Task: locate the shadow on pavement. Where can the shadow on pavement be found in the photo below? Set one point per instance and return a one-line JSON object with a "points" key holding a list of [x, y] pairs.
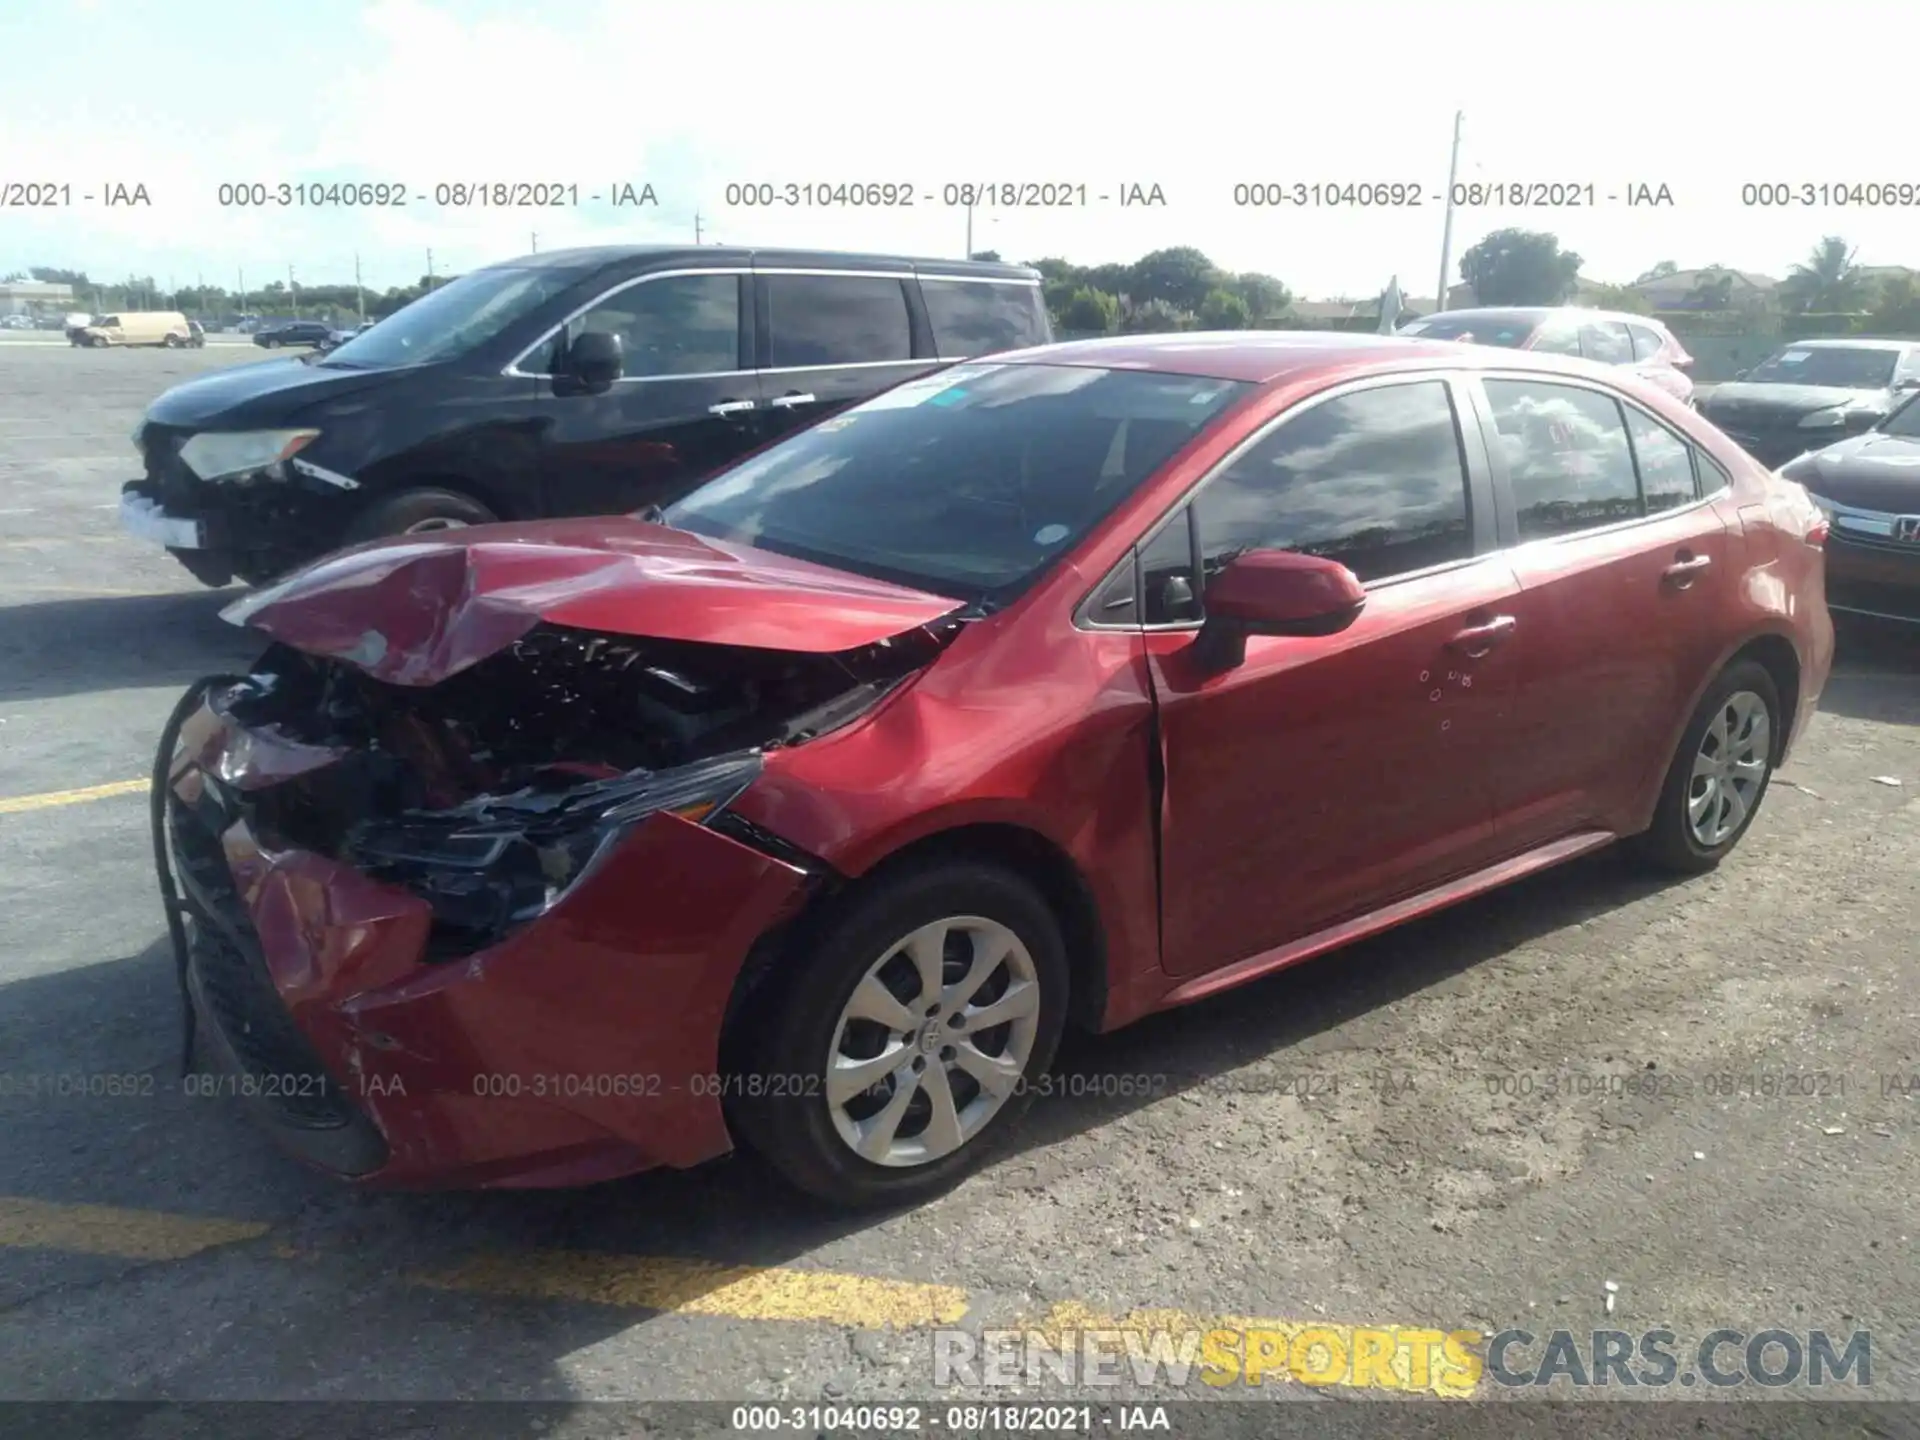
{"points": [[59, 648], [1876, 672]]}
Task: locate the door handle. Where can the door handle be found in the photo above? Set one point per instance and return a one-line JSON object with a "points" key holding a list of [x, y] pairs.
{"points": [[730, 407], [1477, 640], [1681, 572], [787, 402]]}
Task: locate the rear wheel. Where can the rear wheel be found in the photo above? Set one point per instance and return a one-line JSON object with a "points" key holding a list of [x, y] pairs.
{"points": [[417, 512], [1719, 775], [173, 342], [903, 1044]]}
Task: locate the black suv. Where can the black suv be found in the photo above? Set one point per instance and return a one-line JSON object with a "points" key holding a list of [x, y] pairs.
{"points": [[292, 332], [573, 382]]}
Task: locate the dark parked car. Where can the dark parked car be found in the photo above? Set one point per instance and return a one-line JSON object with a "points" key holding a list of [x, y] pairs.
{"points": [[1061, 687], [1869, 487], [291, 332], [1811, 393], [580, 382], [1634, 342]]}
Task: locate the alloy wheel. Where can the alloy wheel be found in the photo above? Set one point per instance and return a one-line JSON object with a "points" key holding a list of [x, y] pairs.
{"points": [[933, 1041], [1729, 768]]}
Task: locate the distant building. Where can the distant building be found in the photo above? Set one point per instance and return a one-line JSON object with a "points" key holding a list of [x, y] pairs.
{"points": [[19, 297], [1682, 290]]}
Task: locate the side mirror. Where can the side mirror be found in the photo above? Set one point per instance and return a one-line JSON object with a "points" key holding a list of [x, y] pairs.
{"points": [[1274, 592], [1910, 382], [595, 360]]}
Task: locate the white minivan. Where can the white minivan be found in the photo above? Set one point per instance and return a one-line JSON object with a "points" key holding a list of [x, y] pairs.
{"points": [[137, 327]]}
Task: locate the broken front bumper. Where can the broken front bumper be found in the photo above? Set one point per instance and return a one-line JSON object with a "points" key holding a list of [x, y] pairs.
{"points": [[583, 1046]]}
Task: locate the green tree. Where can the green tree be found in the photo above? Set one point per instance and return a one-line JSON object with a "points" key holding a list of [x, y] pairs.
{"points": [[986, 255], [1827, 282], [1180, 276], [1266, 297], [1222, 309], [1898, 307], [1154, 317], [1658, 272], [1520, 267], [1090, 310]]}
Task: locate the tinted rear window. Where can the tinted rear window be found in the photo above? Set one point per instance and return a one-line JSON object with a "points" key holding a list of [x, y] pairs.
{"points": [[838, 320], [977, 318]]}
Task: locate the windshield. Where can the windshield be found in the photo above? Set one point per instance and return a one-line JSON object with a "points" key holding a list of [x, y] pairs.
{"points": [[452, 320], [1841, 367], [1905, 421], [1509, 332], [966, 483]]}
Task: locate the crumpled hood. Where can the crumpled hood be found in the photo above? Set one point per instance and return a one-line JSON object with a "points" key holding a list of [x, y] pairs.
{"points": [[1874, 471], [414, 611]]}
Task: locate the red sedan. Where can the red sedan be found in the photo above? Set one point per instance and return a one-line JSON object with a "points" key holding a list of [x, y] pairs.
{"points": [[1057, 688]]}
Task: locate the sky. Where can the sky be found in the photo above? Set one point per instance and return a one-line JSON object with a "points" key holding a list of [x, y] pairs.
{"points": [[691, 98]]}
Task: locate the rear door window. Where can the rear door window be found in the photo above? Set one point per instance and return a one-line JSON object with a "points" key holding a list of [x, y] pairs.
{"points": [[1568, 460], [1647, 343], [820, 320], [1606, 342], [1665, 462], [973, 317]]}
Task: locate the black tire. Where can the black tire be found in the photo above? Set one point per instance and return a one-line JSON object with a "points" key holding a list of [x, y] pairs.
{"points": [[399, 514], [172, 342], [779, 1106], [1670, 844]]}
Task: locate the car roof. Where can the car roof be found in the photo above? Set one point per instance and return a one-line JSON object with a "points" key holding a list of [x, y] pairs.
{"points": [[596, 257], [1849, 342], [1261, 356], [1537, 313]]}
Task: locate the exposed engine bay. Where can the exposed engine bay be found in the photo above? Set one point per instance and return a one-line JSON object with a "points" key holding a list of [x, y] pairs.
{"points": [[491, 793]]}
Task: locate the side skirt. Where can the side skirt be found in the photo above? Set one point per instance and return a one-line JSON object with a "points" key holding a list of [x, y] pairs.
{"points": [[1345, 932]]}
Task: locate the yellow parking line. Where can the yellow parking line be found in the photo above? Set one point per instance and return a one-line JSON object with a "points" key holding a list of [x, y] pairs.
{"points": [[696, 1287], [20, 803], [105, 1230]]}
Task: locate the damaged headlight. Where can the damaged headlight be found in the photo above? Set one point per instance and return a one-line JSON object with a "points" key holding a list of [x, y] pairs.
{"points": [[220, 454], [499, 861]]}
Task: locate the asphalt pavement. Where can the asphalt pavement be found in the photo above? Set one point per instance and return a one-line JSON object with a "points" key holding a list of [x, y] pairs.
{"points": [[1592, 1100]]}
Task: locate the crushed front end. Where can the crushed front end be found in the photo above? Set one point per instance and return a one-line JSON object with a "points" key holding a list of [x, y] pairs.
{"points": [[485, 931]]}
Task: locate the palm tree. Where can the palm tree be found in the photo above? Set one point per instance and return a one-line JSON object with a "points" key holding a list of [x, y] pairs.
{"points": [[1829, 282]]}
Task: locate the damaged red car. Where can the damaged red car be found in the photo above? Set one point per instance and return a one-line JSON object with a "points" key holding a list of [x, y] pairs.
{"points": [[1053, 689]]}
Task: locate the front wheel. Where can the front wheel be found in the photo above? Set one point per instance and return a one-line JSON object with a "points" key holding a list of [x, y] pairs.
{"points": [[907, 1038], [417, 512], [1719, 775]]}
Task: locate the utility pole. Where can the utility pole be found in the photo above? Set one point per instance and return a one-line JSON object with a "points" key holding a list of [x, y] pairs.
{"points": [[969, 254], [240, 276], [359, 295], [429, 267], [696, 227], [535, 238], [293, 293], [1446, 231]]}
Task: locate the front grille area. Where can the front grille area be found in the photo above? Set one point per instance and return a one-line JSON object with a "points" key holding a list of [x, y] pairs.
{"points": [[174, 485], [233, 978]]}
